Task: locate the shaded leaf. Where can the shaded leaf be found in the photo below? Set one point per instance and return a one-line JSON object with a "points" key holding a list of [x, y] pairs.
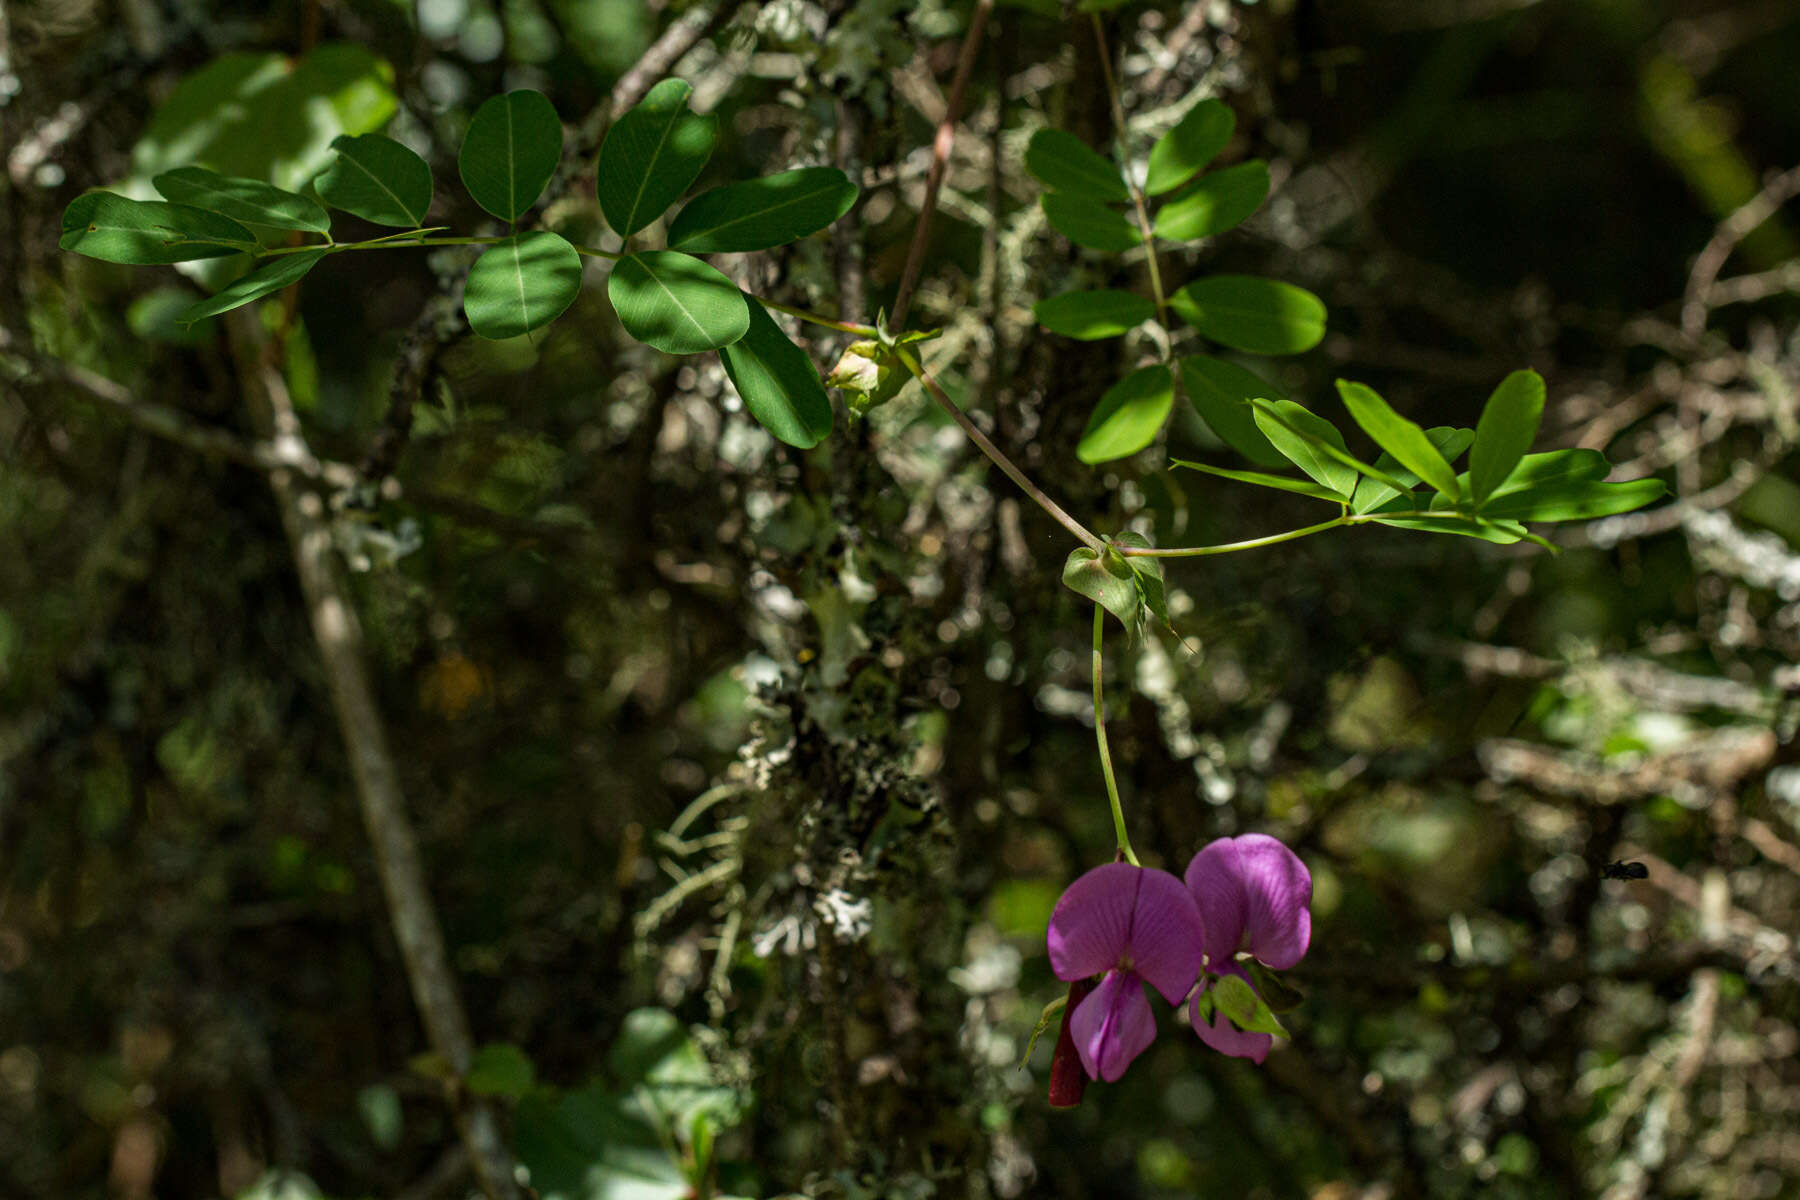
{"points": [[677, 303], [521, 284], [146, 232], [1090, 224], [249, 202], [500, 1069], [1063, 162], [651, 155], [1336, 477], [1090, 316], [1371, 493], [1303, 487], [1276, 992], [1221, 392], [511, 150], [272, 277], [1508, 426], [1184, 151], [777, 381], [665, 1075], [759, 213], [589, 1146], [377, 179], [1128, 415], [1401, 438], [1246, 312], [1107, 580], [1219, 201], [1148, 575]]}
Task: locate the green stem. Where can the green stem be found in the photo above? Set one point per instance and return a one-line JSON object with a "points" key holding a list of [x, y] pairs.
{"points": [[866, 331], [1138, 200], [1233, 547], [1106, 767]]}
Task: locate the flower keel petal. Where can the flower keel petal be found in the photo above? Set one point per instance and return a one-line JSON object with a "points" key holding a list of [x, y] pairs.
{"points": [[1113, 1026]]}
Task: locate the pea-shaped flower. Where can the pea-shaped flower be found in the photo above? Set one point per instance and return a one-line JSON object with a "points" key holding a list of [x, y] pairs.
{"points": [[1138, 926], [1253, 894]]}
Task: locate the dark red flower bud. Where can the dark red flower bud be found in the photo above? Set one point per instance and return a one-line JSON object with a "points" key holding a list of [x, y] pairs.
{"points": [[1068, 1079]]}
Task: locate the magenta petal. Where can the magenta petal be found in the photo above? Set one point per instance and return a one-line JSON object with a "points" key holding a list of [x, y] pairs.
{"points": [[1166, 935], [1113, 1026], [1253, 885], [1090, 927], [1221, 1034]]}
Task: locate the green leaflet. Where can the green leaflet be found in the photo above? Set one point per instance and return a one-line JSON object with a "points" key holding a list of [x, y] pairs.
{"points": [[146, 232], [1184, 151], [377, 179], [277, 274], [511, 150], [249, 202], [1128, 415], [1093, 315], [1508, 426], [1303, 487], [1372, 494], [1221, 392], [1089, 223], [1063, 162], [677, 303], [760, 213], [521, 284], [1246, 312], [1219, 201], [1285, 435], [651, 155], [1399, 437], [777, 381]]}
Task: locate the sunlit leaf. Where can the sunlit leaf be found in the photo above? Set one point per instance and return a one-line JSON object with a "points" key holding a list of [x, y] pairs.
{"points": [[1572, 500], [377, 179], [1399, 437], [759, 213], [1093, 315], [1371, 493], [249, 202], [677, 303], [522, 284], [1221, 392], [1088, 223], [1128, 415], [511, 150], [1239, 1002], [651, 155], [777, 381], [1219, 201], [1108, 580], [145, 232], [1064, 163], [1184, 151], [1246, 312], [1500, 532], [277, 274], [1508, 425], [1286, 436]]}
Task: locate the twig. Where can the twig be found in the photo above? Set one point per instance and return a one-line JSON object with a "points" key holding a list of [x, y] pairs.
{"points": [[338, 633], [940, 162], [1731, 231]]}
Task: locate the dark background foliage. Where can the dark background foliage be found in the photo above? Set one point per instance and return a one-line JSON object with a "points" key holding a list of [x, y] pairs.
{"points": [[617, 597]]}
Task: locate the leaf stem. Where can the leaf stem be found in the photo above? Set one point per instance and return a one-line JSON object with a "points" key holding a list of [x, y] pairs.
{"points": [[1106, 767], [866, 331], [1232, 547], [1138, 199], [988, 448]]}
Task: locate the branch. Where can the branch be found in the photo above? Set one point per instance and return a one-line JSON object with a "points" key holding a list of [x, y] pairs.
{"points": [[1732, 230]]}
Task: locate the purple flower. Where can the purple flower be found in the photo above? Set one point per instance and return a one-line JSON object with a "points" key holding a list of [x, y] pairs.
{"points": [[1137, 925], [1253, 894]]}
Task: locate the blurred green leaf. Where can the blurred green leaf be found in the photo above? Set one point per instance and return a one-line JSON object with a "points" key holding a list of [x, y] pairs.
{"points": [[1063, 162], [377, 179], [249, 202], [510, 151], [777, 381], [1089, 223], [1399, 437], [500, 1069], [1090, 316], [1184, 151], [379, 1107], [1128, 415], [1219, 201], [146, 232], [522, 284], [588, 1146], [277, 274], [676, 302], [1245, 312], [657, 1063], [1508, 426], [760, 213], [651, 155], [1276, 992], [1221, 392]]}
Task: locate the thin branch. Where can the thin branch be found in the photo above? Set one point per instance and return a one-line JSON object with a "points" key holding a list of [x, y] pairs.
{"points": [[1731, 231]]}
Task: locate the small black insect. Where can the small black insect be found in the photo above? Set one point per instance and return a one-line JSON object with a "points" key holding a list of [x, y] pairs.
{"points": [[1624, 870]]}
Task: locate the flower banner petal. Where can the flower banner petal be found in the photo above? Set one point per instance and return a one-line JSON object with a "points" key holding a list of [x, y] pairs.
{"points": [[1167, 933], [1090, 927], [1219, 895], [1256, 887], [1113, 1026]]}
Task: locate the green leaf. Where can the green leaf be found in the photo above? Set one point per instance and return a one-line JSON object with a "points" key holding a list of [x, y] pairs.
{"points": [[1108, 580], [1063, 162], [377, 179], [651, 155], [281, 272], [1098, 6], [658, 1062], [1220, 201], [1090, 316], [1286, 435], [1087, 223], [1148, 575], [1399, 437], [1371, 493], [1128, 415], [249, 202], [1503, 533], [777, 381], [1276, 992], [510, 152], [500, 1069], [1267, 412], [1553, 466], [144, 232], [1239, 1002], [521, 284], [1508, 425], [677, 303], [1245, 312], [1184, 151], [590, 1145], [759, 213], [1572, 500], [1285, 483], [1221, 392]]}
